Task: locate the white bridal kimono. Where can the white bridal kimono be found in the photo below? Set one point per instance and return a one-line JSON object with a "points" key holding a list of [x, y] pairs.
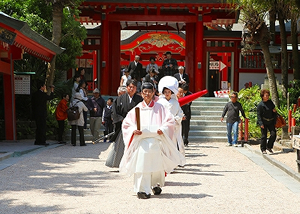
{"points": [[178, 114], [149, 155]]}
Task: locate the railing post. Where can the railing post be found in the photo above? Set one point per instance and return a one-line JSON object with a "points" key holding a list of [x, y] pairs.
{"points": [[290, 121], [246, 130]]}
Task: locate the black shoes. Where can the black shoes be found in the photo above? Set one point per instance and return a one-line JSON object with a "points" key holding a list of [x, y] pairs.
{"points": [[143, 195], [156, 190], [270, 150], [264, 152], [83, 145]]}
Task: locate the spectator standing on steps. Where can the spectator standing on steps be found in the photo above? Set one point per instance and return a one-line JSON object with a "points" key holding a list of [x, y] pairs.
{"points": [[96, 104], [152, 65], [136, 72], [232, 109], [169, 65], [266, 119], [181, 76]]}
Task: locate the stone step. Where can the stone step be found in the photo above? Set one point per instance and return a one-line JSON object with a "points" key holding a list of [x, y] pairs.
{"points": [[207, 113], [208, 103], [207, 108], [207, 139], [206, 117], [215, 128], [211, 133], [212, 99], [207, 122]]}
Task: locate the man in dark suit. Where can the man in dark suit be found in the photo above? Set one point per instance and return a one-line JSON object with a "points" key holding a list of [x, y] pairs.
{"points": [[181, 76], [169, 65], [183, 90], [39, 111], [136, 72]]}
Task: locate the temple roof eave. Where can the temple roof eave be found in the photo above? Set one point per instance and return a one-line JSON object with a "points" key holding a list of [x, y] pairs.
{"points": [[24, 34]]}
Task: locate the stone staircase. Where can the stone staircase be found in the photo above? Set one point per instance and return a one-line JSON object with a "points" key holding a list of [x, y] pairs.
{"points": [[205, 122]]}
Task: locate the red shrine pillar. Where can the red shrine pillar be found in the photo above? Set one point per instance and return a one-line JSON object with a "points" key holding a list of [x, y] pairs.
{"points": [[9, 100], [225, 70], [104, 56], [190, 54], [115, 59], [95, 73], [199, 59], [235, 85]]}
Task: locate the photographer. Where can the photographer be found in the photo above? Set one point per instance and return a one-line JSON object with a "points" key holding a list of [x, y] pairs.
{"points": [[170, 65], [39, 110]]}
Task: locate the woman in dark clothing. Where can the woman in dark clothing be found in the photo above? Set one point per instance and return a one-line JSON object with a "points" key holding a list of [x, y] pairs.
{"points": [[266, 118]]}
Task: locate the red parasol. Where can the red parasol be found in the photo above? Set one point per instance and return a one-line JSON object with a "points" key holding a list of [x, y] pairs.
{"points": [[187, 99]]}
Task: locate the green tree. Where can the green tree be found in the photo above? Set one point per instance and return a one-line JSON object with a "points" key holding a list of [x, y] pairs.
{"points": [[282, 10], [40, 17], [253, 13], [62, 11], [295, 14]]}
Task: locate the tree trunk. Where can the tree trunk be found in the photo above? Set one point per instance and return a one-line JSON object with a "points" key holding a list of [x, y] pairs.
{"points": [[270, 72], [272, 15], [296, 65], [284, 54], [57, 12]]}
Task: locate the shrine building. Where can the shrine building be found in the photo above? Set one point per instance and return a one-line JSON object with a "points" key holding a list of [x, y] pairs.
{"points": [[16, 38], [198, 33], [181, 27]]}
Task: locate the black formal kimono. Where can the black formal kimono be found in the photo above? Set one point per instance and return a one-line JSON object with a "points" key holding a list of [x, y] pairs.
{"points": [[167, 70], [185, 124], [136, 71], [39, 111], [120, 108]]}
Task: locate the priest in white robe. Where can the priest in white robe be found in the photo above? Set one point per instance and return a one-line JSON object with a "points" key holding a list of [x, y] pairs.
{"points": [[149, 152]]}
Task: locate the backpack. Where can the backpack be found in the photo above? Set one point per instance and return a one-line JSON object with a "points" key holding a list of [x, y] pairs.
{"points": [[73, 112]]}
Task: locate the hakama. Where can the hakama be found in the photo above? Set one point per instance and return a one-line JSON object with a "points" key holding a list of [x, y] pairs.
{"points": [[121, 106], [116, 153]]}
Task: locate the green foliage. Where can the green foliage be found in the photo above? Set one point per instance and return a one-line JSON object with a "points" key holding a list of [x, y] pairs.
{"points": [[250, 98], [294, 91], [38, 15]]}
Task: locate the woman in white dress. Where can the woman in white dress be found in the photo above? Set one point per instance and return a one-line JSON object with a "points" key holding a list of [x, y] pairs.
{"points": [[168, 89]]}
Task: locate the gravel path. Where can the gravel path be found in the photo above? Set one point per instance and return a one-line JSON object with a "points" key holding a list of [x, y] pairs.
{"points": [[216, 179]]}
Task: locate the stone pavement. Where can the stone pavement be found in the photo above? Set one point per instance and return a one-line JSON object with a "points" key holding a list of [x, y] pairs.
{"points": [[216, 179]]}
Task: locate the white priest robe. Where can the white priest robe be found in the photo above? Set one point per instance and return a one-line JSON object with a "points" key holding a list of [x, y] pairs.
{"points": [[149, 155], [178, 114]]}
